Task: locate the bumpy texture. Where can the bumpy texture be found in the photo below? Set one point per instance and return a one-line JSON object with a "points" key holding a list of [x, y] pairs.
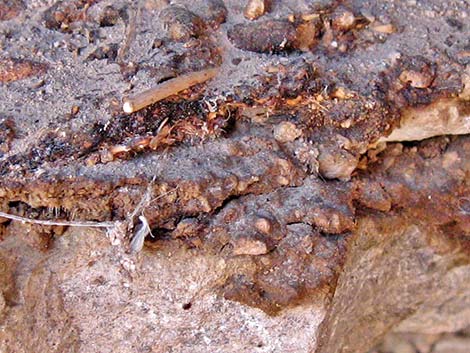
{"points": [[274, 191]]}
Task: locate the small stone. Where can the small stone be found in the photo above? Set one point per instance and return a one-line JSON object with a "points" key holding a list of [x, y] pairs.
{"points": [[213, 12], [109, 17], [417, 79], [282, 180], [286, 132], [373, 196], [268, 36], [263, 225], [106, 156], [254, 9], [186, 228], [336, 164], [329, 220], [107, 51], [258, 115], [181, 23], [384, 28], [346, 124], [308, 34], [342, 93], [307, 155], [64, 13], [92, 160], [248, 246], [13, 69], [344, 21], [310, 17], [74, 110]]}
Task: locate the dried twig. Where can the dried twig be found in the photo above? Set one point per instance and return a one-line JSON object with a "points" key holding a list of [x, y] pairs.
{"points": [[117, 230], [166, 89], [58, 223], [144, 201], [131, 33]]}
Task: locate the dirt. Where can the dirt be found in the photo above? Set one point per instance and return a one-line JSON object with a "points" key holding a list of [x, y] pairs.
{"points": [[270, 166]]}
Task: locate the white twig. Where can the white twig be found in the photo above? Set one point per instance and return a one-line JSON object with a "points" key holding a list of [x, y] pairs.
{"points": [[58, 223], [116, 230], [168, 88]]}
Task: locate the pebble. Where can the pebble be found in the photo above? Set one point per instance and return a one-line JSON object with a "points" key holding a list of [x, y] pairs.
{"points": [[336, 165], [181, 23], [249, 246], [286, 132], [263, 225], [109, 17], [254, 9], [268, 36]]}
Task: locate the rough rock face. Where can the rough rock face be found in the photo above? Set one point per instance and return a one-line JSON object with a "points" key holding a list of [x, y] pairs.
{"points": [[421, 270], [428, 343], [311, 197]]}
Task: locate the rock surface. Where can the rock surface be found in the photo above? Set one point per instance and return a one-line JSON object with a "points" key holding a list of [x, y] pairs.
{"points": [[421, 343], [291, 202]]}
